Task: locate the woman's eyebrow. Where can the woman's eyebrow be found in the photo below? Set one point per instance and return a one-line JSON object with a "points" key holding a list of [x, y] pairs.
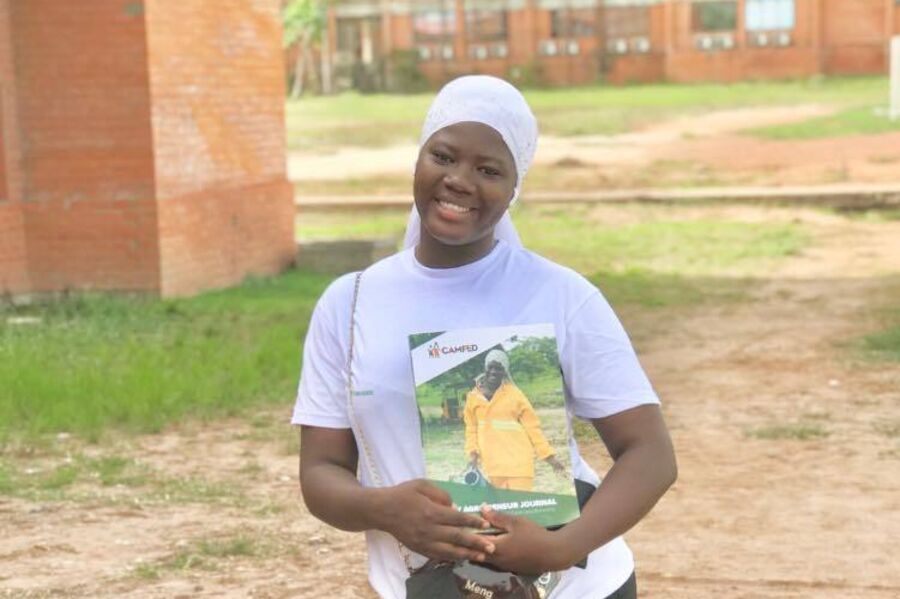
{"points": [[485, 158], [449, 147]]}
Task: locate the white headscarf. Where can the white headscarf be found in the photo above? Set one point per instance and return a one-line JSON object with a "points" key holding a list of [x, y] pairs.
{"points": [[497, 104], [495, 355]]}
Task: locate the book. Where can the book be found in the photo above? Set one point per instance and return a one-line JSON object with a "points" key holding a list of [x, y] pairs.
{"points": [[493, 420]]}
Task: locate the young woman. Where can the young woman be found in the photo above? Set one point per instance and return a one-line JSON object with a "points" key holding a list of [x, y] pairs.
{"points": [[464, 267]]}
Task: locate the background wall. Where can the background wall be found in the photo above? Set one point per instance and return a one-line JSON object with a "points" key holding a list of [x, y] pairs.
{"points": [[143, 145]]}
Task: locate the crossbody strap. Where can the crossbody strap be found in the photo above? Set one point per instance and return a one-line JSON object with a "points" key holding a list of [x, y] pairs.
{"points": [[368, 457]]}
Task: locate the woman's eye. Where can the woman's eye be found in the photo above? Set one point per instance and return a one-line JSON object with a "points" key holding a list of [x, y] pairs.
{"points": [[491, 172], [441, 157]]}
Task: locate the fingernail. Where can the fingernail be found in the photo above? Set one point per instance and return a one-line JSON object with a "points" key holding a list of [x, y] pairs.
{"points": [[490, 549], [480, 557]]}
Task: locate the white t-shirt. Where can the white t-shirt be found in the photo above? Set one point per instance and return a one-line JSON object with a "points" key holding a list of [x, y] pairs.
{"points": [[399, 296]]}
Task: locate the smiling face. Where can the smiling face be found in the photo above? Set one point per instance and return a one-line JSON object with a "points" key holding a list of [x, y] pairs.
{"points": [[493, 376], [464, 182]]}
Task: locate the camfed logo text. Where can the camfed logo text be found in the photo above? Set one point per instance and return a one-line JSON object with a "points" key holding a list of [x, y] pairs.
{"points": [[436, 350]]}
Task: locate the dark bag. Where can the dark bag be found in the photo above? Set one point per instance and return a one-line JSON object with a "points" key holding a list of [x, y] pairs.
{"points": [[469, 580]]}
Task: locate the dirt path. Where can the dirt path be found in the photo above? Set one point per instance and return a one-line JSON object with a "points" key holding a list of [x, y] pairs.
{"points": [[788, 447], [695, 150]]}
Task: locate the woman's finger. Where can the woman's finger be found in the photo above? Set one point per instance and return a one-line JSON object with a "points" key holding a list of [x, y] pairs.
{"points": [[452, 517], [446, 551], [434, 493], [459, 537], [498, 519]]}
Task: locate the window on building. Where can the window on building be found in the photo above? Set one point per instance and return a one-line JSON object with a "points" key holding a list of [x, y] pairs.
{"points": [[713, 15], [434, 21], [626, 21], [769, 15], [486, 25], [573, 22], [348, 36]]}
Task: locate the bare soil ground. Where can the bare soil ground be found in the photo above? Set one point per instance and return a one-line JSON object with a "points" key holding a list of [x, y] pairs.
{"points": [[706, 149], [788, 444]]}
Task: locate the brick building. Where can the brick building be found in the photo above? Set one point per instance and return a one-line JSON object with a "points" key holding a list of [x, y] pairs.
{"points": [[141, 145], [580, 41]]}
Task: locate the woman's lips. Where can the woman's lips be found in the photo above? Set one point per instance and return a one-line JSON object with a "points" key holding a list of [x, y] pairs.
{"points": [[454, 211]]}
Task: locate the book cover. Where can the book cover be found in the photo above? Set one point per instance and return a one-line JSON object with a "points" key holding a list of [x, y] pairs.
{"points": [[493, 419]]}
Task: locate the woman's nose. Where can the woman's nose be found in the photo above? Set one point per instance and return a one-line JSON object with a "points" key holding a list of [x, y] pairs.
{"points": [[458, 182]]}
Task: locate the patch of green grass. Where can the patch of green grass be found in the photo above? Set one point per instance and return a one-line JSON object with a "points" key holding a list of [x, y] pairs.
{"points": [[864, 120], [660, 245], [61, 477], [239, 546], [147, 571], [40, 481], [204, 554], [799, 431], [346, 224], [317, 123], [196, 490], [7, 479], [655, 262], [655, 290], [116, 470], [877, 216], [252, 470], [884, 344], [138, 364], [629, 255], [369, 186]]}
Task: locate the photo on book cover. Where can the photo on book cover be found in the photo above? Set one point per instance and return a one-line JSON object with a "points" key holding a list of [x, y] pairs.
{"points": [[493, 417]]}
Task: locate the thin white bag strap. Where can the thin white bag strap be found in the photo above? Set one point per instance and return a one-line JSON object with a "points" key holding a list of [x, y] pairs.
{"points": [[367, 456]]}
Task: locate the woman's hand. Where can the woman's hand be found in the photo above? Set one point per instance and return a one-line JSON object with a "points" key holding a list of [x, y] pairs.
{"points": [[525, 547], [422, 517]]}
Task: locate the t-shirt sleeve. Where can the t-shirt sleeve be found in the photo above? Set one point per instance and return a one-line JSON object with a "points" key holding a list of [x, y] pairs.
{"points": [[601, 371], [322, 393]]}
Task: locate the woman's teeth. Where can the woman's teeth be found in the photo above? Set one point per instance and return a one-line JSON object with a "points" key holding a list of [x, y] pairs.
{"points": [[453, 207]]}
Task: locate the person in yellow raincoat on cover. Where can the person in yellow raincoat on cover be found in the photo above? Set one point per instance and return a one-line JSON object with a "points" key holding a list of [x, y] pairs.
{"points": [[503, 432]]}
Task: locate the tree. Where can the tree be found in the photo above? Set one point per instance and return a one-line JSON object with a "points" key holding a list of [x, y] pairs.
{"points": [[305, 24]]}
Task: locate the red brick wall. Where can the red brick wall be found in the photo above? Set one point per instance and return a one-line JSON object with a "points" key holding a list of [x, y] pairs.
{"points": [[522, 35], [218, 236], [649, 67], [853, 36], [84, 121], [13, 266], [225, 207], [400, 31], [13, 256], [637, 68]]}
